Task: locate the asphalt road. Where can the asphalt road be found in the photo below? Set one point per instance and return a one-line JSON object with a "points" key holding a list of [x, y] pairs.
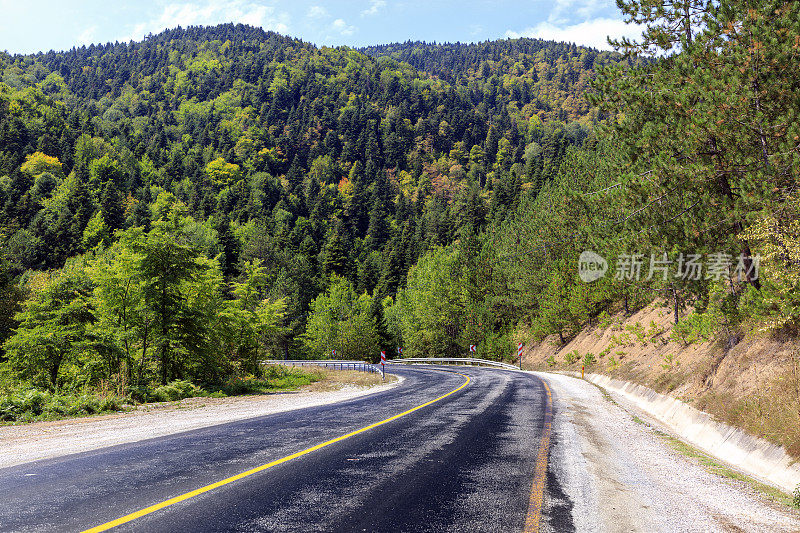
{"points": [[463, 463]]}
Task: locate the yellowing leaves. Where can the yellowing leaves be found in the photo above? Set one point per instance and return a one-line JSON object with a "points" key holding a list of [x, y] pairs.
{"points": [[223, 173], [38, 163]]}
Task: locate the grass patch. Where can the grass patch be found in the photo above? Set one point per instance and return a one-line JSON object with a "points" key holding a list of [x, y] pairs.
{"points": [[772, 413], [604, 392], [276, 378]]}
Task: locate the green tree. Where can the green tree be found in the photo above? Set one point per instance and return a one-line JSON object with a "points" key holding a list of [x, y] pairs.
{"points": [[52, 330], [343, 321], [166, 264], [429, 311], [250, 324]]}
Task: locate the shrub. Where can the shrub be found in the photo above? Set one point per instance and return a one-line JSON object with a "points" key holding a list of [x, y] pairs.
{"points": [[623, 340], [86, 403], [34, 401], [551, 361], [186, 389], [670, 361], [696, 327], [139, 394], [571, 357], [8, 410], [111, 403], [588, 359], [31, 404], [58, 406], [176, 390], [604, 320], [654, 330], [638, 331]]}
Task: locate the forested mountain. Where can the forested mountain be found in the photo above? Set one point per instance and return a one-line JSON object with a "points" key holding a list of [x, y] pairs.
{"points": [[535, 76], [185, 206], [237, 172]]}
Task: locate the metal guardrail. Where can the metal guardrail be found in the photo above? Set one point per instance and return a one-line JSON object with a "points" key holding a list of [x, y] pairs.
{"points": [[454, 360], [334, 364]]}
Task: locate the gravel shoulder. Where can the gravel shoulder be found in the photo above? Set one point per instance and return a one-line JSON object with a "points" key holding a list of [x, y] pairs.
{"points": [[609, 473], [45, 440]]}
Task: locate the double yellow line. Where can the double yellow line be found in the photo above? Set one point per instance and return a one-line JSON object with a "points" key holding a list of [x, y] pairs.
{"points": [[183, 497]]}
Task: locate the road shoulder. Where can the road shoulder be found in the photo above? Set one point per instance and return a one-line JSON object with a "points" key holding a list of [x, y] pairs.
{"points": [[614, 473], [46, 440]]}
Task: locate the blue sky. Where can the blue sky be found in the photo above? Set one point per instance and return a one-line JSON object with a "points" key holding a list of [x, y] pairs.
{"points": [[42, 25]]}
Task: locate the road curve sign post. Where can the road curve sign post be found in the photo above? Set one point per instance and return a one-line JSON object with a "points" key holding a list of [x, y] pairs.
{"points": [[383, 363]]}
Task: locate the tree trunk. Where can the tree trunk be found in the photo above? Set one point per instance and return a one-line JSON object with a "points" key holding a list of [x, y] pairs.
{"points": [[677, 305], [163, 364], [145, 346], [54, 371], [727, 190], [687, 23]]}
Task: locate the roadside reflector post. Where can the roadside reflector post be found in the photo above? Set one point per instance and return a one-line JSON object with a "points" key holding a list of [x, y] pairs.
{"points": [[383, 365], [519, 354], [583, 368]]}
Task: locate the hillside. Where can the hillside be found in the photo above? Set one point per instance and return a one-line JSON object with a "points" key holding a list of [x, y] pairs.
{"points": [[280, 169], [754, 385]]}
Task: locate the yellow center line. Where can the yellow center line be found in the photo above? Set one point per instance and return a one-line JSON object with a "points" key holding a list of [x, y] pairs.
{"points": [[183, 497], [534, 518]]}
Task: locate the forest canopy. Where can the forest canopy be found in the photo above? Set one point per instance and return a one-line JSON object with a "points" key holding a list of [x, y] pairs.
{"points": [[186, 206]]}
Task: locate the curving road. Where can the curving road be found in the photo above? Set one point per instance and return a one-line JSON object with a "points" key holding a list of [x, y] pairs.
{"points": [[465, 462]]}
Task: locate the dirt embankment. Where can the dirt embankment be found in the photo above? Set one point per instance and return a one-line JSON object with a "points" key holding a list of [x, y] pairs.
{"points": [[753, 385]]}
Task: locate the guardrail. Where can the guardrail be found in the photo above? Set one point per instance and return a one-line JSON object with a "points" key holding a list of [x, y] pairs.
{"points": [[326, 363], [454, 360]]}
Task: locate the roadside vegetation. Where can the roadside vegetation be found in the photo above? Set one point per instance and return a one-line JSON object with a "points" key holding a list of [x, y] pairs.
{"points": [[29, 404]]}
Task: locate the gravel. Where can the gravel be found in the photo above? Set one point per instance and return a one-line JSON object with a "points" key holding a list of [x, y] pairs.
{"points": [[614, 474], [45, 440]]}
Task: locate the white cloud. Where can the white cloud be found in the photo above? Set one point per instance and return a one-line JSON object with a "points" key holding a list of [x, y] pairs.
{"points": [[212, 12], [87, 36], [566, 11], [374, 7], [340, 26], [317, 12], [589, 33]]}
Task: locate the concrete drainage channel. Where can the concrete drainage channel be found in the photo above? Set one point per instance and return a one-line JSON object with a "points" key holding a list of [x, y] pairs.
{"points": [[754, 456]]}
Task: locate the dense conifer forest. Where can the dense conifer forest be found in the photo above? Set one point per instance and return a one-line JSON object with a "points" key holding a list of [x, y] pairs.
{"points": [[185, 206]]}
